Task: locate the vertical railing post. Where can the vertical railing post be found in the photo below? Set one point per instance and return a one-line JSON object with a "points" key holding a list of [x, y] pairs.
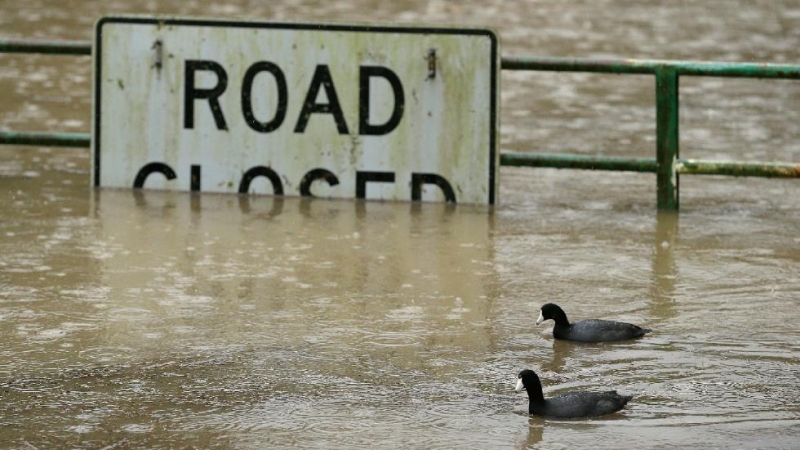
{"points": [[668, 193]]}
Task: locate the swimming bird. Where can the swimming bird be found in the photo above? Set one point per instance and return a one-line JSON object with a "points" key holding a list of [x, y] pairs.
{"points": [[569, 405], [589, 330]]}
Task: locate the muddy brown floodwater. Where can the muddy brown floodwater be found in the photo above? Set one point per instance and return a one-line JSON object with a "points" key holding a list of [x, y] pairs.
{"points": [[171, 320]]}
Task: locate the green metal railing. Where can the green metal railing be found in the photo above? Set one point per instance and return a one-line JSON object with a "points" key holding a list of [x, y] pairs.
{"points": [[667, 164], [82, 48], [45, 139]]}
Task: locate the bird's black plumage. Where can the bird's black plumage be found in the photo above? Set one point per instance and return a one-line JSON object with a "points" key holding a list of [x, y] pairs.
{"points": [[589, 330], [570, 404]]}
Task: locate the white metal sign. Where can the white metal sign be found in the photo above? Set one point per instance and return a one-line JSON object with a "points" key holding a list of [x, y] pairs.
{"points": [[350, 111]]}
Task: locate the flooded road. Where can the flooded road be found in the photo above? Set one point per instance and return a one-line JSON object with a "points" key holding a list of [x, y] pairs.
{"points": [[171, 320]]}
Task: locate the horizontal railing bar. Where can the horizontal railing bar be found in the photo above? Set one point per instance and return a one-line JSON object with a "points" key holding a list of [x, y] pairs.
{"points": [[45, 47], [651, 66], [507, 158], [45, 139], [562, 161], [683, 166], [745, 70], [546, 63], [558, 64], [738, 169]]}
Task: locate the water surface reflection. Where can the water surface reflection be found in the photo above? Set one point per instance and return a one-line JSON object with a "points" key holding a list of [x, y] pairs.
{"points": [[177, 320]]}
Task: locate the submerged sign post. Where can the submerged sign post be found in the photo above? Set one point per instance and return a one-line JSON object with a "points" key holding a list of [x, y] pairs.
{"points": [[346, 111]]}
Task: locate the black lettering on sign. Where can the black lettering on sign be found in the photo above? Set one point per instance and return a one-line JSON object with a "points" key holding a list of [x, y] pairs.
{"points": [[322, 77], [313, 175], [192, 93], [247, 91], [149, 168], [418, 179], [194, 184], [261, 171], [364, 127], [362, 178]]}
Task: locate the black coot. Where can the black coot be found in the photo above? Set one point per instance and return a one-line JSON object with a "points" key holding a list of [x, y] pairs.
{"points": [[571, 404], [589, 330]]}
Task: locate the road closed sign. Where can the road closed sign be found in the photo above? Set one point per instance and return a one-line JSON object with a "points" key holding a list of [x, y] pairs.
{"points": [[326, 110]]}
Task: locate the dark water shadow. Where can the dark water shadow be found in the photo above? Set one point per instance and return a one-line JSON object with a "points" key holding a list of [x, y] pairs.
{"points": [[562, 352], [535, 433], [276, 204], [665, 272], [556, 427]]}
